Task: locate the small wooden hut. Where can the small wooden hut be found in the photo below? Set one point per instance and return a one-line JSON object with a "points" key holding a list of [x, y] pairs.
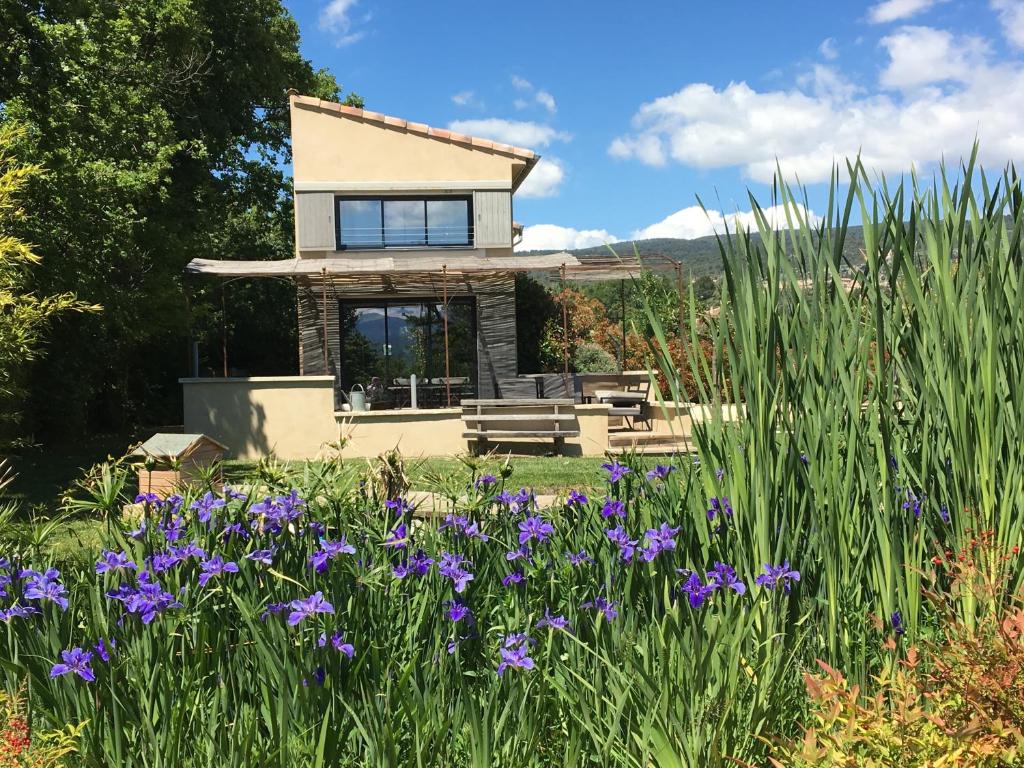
{"points": [[168, 462]]}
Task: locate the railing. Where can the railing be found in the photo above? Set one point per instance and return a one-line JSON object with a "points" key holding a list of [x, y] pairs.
{"points": [[406, 237]]}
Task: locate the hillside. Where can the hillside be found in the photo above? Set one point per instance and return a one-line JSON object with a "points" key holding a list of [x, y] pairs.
{"points": [[701, 256]]}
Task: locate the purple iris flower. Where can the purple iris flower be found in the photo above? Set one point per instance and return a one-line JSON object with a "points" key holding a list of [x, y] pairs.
{"points": [[626, 545], [804, 460], [190, 550], [607, 608], [516, 577], [265, 556], [719, 474], [660, 472], [944, 514], [776, 575], [535, 527], [45, 586], [233, 528], [173, 529], [462, 525], [312, 605], [147, 600], [516, 502], [473, 531], [205, 506], [399, 506], [518, 553], [398, 538], [616, 471], [575, 499], [719, 506], [5, 581], [147, 498], [514, 653], [457, 610], [419, 564], [74, 660], [337, 641], [613, 508], [555, 622], [578, 558], [114, 561], [659, 540], [697, 592], [451, 567], [484, 482], [231, 493], [328, 551], [17, 611], [273, 609], [215, 566], [914, 504], [724, 577], [105, 649], [897, 623]]}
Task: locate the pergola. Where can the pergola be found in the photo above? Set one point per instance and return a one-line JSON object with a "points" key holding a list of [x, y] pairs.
{"points": [[424, 270]]}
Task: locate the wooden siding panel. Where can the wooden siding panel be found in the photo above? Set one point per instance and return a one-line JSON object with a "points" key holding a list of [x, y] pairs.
{"points": [[492, 214], [314, 212]]}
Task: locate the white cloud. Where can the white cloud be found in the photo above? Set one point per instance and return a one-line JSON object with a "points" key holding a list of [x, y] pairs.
{"points": [[551, 237], [1011, 19], [894, 10], [922, 55], [947, 92], [546, 100], [336, 17], [828, 49], [521, 83], [544, 180], [520, 103], [694, 221], [519, 133], [462, 98]]}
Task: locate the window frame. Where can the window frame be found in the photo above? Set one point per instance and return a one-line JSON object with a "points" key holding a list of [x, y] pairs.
{"points": [[381, 199]]}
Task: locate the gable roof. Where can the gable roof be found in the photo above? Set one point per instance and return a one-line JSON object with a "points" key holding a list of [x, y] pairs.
{"points": [[527, 156], [173, 445]]}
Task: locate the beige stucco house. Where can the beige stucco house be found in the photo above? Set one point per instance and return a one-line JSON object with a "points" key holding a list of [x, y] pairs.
{"points": [[405, 272]]}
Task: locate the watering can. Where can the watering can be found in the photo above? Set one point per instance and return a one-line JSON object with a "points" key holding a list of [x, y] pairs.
{"points": [[358, 398]]}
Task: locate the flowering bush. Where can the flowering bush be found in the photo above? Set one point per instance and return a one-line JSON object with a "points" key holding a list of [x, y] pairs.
{"points": [[21, 748]]}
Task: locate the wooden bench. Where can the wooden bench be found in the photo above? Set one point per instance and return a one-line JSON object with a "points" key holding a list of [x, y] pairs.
{"points": [[517, 418]]}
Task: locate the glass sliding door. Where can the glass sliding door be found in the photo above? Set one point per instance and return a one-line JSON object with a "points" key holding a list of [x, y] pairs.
{"points": [[383, 343]]}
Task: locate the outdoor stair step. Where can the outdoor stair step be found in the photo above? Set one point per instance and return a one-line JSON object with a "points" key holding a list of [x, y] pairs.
{"points": [[616, 439]]}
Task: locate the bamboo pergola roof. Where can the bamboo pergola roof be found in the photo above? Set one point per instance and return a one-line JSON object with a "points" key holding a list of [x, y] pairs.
{"points": [[359, 268]]}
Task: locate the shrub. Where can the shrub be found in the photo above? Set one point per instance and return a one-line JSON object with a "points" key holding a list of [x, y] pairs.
{"points": [[20, 748], [590, 358]]}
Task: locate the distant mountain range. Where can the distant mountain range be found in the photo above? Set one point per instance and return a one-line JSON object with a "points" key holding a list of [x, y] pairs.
{"points": [[700, 256]]}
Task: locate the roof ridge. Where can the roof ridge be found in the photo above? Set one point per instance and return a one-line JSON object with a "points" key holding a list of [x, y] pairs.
{"points": [[423, 129]]}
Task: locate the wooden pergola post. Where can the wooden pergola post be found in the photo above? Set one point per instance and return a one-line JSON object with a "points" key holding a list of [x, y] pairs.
{"points": [[622, 305], [565, 327], [323, 314], [224, 328], [447, 362]]}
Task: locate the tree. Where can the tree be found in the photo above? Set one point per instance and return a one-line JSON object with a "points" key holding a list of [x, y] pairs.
{"points": [[24, 316], [163, 125]]}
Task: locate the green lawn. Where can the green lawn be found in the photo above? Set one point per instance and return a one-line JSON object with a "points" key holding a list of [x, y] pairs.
{"points": [[43, 476]]}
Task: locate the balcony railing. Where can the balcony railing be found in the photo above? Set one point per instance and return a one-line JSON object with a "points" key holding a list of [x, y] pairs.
{"points": [[406, 237]]}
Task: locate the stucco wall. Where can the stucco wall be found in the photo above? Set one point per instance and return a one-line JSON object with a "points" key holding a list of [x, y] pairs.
{"points": [[291, 416], [294, 417], [322, 143], [439, 433]]}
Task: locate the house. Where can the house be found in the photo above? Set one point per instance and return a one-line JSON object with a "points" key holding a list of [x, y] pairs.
{"points": [[405, 272]]}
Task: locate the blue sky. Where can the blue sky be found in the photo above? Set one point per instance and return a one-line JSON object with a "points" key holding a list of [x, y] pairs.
{"points": [[640, 108]]}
